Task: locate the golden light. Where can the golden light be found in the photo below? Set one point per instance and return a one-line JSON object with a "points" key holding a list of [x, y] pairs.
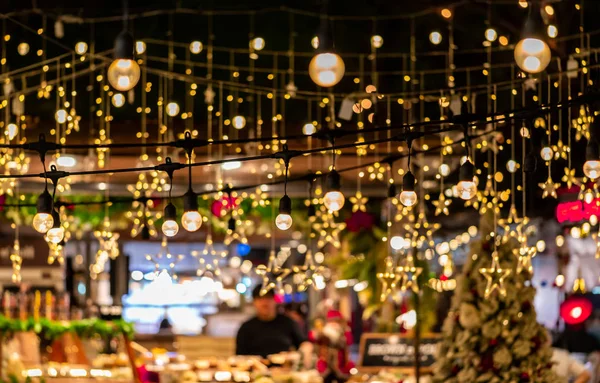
{"points": [[309, 129], [491, 35], [376, 41], [118, 100], [61, 116], [140, 47], [172, 109], [23, 48], [532, 55], [444, 170], [552, 31], [523, 3], [257, 43], [196, 47], [123, 74], [81, 48], [503, 40], [315, 42], [326, 69], [446, 13], [549, 10], [238, 122], [435, 37]]}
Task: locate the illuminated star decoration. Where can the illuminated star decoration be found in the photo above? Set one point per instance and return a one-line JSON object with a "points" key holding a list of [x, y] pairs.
{"points": [[441, 205], [409, 274], [524, 255], [209, 258], [56, 253], [561, 150], [164, 258], [549, 187], [512, 225], [209, 95], [389, 280], [236, 234], [569, 178], [359, 202], [310, 273], [329, 231], [272, 275], [495, 276], [422, 230]]}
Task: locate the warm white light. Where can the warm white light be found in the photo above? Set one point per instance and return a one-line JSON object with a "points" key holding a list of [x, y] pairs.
{"points": [[576, 312], [257, 43], [560, 280], [444, 170], [55, 234], [523, 3], [326, 69], [42, 222], [123, 74], [231, 165], [81, 48], [334, 200], [466, 189], [309, 129], [170, 228], [61, 116], [512, 166], [11, 130], [491, 35], [408, 198], [23, 49], [172, 109], [540, 246], [137, 275], [118, 100], [435, 37], [238, 122], [102, 186], [66, 161], [397, 242], [591, 169], [315, 42], [532, 55], [546, 153], [196, 47], [376, 41], [552, 31], [140, 47], [283, 221], [191, 220], [549, 10]]}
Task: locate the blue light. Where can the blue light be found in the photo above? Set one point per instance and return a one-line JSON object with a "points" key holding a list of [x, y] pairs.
{"points": [[81, 288], [243, 249], [241, 288]]}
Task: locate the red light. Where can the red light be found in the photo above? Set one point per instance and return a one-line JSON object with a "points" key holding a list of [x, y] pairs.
{"points": [[575, 310], [576, 211]]}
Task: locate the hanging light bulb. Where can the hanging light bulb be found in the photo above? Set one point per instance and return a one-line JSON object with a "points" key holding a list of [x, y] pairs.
{"points": [[238, 122], [408, 197], [170, 228], [376, 41], [532, 53], [118, 100], [466, 186], [191, 219], [491, 35], [172, 109], [43, 220], [326, 68], [23, 48], [81, 48], [140, 47], [334, 198], [283, 221], [61, 116], [546, 153], [124, 72], [552, 31], [435, 37], [591, 167], [57, 233], [257, 43], [196, 47]]}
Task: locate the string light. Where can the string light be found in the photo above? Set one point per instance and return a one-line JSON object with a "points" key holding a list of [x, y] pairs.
{"points": [[408, 197], [326, 68], [238, 122], [57, 233], [435, 37], [491, 35], [532, 53], [81, 48], [334, 198], [284, 221], [191, 219], [172, 109], [23, 48], [552, 31], [376, 41], [140, 47], [118, 100], [196, 47], [124, 72], [309, 129], [43, 220], [257, 43], [170, 228]]}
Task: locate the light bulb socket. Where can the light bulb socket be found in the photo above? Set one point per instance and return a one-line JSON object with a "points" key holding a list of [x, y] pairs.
{"points": [[466, 171], [285, 205], [534, 25], [334, 182], [530, 164], [325, 37], [44, 202], [311, 211], [170, 212], [408, 181], [190, 201], [56, 218], [592, 152], [392, 191], [124, 46], [145, 232], [231, 224]]}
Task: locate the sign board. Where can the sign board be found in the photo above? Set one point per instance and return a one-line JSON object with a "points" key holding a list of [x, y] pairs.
{"points": [[396, 351]]}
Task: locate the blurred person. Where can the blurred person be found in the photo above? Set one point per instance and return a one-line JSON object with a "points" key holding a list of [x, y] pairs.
{"points": [[268, 332]]}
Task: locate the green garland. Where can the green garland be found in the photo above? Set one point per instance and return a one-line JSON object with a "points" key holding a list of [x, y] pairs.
{"points": [[86, 328]]}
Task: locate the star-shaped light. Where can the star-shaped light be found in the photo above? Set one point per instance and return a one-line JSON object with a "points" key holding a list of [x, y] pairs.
{"points": [[549, 187], [164, 260], [359, 202], [495, 276], [441, 205], [209, 258], [530, 83], [310, 272], [272, 275], [561, 150], [389, 279], [569, 178], [512, 225], [524, 255], [409, 274], [329, 231], [209, 95], [422, 231]]}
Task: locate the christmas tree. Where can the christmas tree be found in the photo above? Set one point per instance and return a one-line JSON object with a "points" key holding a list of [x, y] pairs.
{"points": [[491, 333]]}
